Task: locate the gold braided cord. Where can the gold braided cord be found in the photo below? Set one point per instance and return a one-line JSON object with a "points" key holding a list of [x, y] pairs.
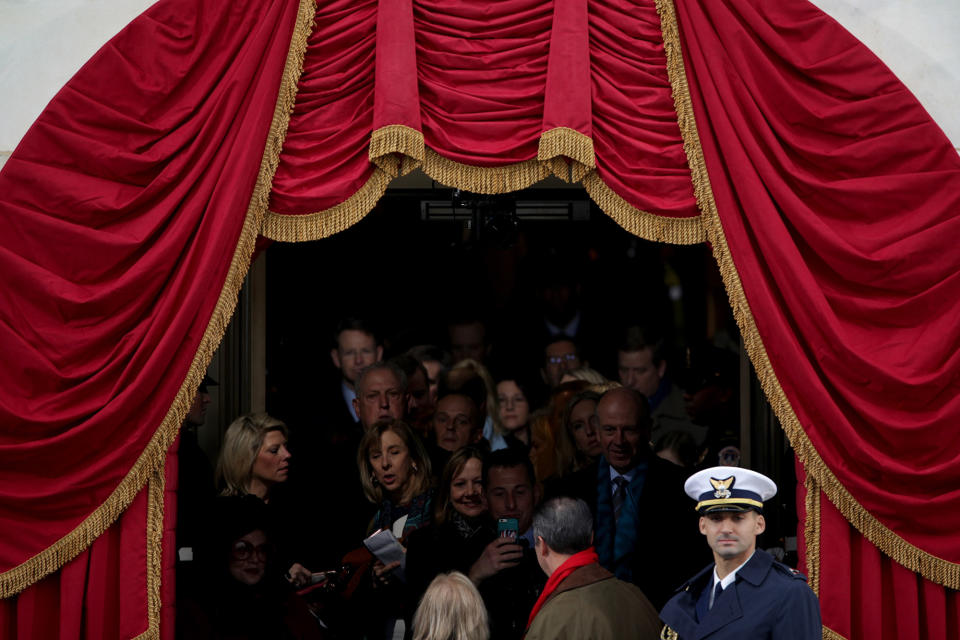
{"points": [[811, 533], [562, 142], [830, 634], [913, 558], [153, 456], [493, 180], [155, 498], [640, 223], [396, 149], [323, 224]]}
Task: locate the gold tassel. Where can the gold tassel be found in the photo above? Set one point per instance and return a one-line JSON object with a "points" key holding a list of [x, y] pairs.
{"points": [[396, 149], [561, 142], [153, 456], [640, 223], [323, 224], [931, 567]]}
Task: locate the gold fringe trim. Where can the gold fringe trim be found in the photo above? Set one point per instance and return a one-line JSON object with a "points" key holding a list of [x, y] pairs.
{"points": [[640, 223], [830, 634], [153, 456], [562, 142], [913, 558], [323, 224], [155, 497], [396, 149], [811, 533], [493, 180]]}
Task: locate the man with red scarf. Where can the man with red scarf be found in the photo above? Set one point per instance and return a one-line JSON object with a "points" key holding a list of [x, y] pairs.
{"points": [[581, 598]]}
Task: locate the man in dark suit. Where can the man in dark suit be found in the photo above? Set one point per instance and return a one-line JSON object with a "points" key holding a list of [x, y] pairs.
{"points": [[745, 593], [643, 533], [324, 440], [354, 349], [507, 574]]}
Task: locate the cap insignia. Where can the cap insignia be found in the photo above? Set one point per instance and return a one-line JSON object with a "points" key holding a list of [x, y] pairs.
{"points": [[723, 487]]}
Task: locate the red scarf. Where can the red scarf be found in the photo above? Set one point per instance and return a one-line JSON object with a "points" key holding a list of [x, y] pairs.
{"points": [[577, 560]]}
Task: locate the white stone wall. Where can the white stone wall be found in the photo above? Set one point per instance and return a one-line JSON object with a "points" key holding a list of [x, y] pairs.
{"points": [[44, 42]]}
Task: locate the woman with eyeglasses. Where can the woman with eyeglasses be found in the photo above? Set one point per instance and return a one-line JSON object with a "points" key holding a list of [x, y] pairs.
{"points": [[240, 593], [254, 460], [515, 406]]}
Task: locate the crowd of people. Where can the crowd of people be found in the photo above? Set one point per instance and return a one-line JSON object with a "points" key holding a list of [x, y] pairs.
{"points": [[499, 482]]}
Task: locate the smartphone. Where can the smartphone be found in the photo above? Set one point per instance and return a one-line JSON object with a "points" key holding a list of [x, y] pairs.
{"points": [[508, 528]]}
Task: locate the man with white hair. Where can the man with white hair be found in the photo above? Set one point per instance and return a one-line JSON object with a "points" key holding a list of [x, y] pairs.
{"points": [[581, 598]]}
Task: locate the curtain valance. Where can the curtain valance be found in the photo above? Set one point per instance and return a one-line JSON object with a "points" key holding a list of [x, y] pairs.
{"points": [[485, 97]]}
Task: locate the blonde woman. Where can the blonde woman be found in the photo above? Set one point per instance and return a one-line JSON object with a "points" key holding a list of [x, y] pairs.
{"points": [[493, 429], [586, 374], [451, 609], [395, 473], [254, 457], [254, 460]]}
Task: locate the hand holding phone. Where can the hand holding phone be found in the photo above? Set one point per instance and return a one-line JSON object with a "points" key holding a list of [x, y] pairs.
{"points": [[508, 528], [502, 553]]}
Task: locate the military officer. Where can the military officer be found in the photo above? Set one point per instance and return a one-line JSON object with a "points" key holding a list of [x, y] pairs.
{"points": [[745, 593]]}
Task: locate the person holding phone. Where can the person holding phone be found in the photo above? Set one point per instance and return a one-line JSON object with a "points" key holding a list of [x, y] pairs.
{"points": [[507, 573]]}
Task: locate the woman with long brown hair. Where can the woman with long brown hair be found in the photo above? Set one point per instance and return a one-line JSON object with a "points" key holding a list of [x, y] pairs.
{"points": [[461, 526]]}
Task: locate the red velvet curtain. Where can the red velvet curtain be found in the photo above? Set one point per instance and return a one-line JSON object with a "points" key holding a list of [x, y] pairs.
{"points": [[838, 200], [485, 97], [128, 215], [104, 592], [863, 593]]}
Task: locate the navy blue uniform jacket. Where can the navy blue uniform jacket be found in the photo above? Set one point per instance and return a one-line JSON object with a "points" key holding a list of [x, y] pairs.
{"points": [[767, 600]]}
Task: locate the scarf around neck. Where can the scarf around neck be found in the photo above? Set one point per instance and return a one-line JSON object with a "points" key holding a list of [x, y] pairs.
{"points": [[574, 562]]}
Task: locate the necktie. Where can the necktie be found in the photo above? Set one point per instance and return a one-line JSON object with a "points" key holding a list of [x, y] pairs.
{"points": [[716, 594], [619, 496]]}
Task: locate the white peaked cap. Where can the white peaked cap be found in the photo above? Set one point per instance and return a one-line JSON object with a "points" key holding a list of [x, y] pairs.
{"points": [[729, 489]]}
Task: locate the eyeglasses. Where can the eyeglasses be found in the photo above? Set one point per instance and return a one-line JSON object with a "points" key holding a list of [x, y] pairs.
{"points": [[567, 357], [242, 550]]}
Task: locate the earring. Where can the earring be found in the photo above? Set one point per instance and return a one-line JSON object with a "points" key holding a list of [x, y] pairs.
{"points": [[415, 466]]}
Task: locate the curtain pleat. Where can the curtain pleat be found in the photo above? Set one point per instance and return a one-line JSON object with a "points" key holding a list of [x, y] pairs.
{"points": [[835, 212], [864, 594], [128, 215]]}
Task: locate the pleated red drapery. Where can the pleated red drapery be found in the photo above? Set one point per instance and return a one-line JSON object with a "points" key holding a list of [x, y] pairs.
{"points": [[490, 98], [828, 195], [128, 216], [838, 199], [105, 591]]}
